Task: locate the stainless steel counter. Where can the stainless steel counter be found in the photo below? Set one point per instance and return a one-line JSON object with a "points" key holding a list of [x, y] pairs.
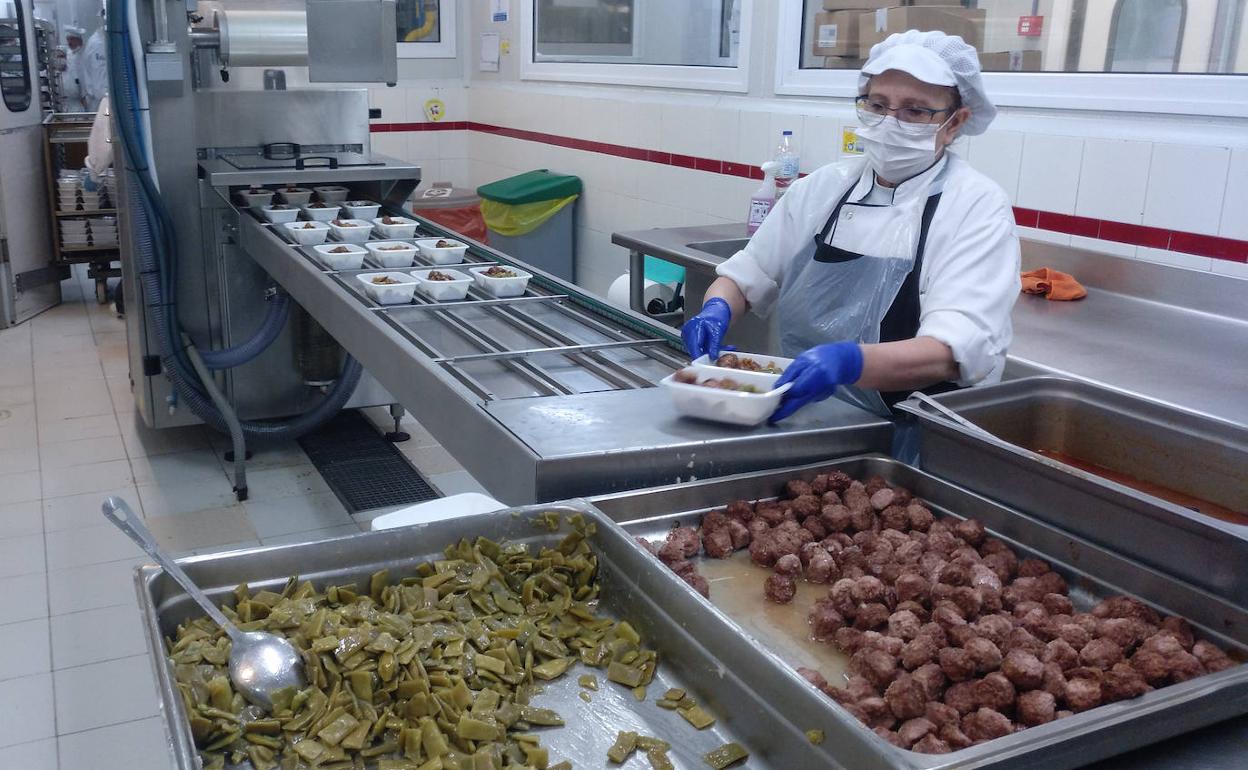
{"points": [[1177, 336]]}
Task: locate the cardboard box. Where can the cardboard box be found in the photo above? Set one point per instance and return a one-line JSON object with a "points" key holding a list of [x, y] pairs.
{"points": [[966, 23], [1010, 61], [843, 63], [925, 3], [836, 34], [858, 5]]}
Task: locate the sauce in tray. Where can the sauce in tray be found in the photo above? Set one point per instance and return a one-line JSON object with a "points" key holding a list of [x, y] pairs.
{"points": [[737, 591], [1165, 493]]}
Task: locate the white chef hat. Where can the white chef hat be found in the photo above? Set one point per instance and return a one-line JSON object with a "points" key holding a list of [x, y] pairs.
{"points": [[939, 59]]}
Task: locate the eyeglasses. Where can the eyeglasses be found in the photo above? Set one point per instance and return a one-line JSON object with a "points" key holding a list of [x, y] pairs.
{"points": [[872, 113]]}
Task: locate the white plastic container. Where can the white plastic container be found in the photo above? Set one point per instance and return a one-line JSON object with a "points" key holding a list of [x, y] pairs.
{"points": [[389, 293], [320, 212], [351, 230], [307, 233], [332, 193], [295, 196], [402, 227], [361, 209], [758, 358], [280, 213], [726, 406], [501, 287], [386, 254], [763, 199], [446, 255], [256, 197], [443, 291], [332, 256]]}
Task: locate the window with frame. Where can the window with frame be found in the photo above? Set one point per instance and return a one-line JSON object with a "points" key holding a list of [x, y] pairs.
{"points": [[425, 29], [699, 33], [1120, 36]]}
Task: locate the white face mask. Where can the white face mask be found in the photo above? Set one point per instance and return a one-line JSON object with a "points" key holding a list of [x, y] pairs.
{"points": [[897, 153]]}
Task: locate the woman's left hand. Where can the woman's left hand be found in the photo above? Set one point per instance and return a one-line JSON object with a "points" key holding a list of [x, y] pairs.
{"points": [[816, 374]]}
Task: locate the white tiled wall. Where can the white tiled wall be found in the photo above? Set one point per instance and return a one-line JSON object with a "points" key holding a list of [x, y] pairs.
{"points": [[1068, 167]]}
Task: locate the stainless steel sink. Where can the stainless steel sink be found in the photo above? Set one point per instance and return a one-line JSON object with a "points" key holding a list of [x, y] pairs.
{"points": [[724, 249]]}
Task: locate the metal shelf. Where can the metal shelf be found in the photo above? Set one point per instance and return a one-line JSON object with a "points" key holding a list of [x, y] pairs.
{"points": [[85, 213]]}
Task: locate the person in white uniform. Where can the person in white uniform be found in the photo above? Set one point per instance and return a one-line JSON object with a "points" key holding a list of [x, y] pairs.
{"points": [[894, 272], [94, 77], [71, 79]]}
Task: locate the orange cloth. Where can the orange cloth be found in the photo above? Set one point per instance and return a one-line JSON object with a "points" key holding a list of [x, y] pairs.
{"points": [[1053, 284]]}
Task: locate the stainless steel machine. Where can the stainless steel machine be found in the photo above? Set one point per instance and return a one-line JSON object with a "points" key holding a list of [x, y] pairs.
{"points": [[542, 396]]}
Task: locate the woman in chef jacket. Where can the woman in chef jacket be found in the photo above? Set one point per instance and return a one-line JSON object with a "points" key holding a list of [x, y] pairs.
{"points": [[891, 273]]}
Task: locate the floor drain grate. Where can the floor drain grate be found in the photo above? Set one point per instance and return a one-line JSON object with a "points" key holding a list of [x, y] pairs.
{"points": [[362, 468]]}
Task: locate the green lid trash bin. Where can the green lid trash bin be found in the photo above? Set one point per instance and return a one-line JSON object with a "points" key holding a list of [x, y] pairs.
{"points": [[530, 217]]}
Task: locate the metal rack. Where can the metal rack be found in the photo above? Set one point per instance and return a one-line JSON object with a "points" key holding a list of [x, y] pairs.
{"points": [[51, 90], [65, 136], [544, 396]]}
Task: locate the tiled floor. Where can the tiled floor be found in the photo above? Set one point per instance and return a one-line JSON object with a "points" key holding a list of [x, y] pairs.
{"points": [[76, 684]]}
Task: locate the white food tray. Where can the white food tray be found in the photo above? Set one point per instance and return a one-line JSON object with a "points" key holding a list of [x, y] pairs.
{"points": [[389, 293], [307, 236], [726, 406], [351, 230], [444, 291], [403, 227], [501, 287], [386, 256], [758, 358], [352, 259], [448, 255]]}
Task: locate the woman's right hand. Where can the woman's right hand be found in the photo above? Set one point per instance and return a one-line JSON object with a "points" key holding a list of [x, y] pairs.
{"points": [[704, 332]]}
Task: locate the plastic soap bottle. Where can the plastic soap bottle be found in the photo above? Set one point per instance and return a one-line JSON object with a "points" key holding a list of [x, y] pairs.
{"points": [[786, 156], [763, 198]]}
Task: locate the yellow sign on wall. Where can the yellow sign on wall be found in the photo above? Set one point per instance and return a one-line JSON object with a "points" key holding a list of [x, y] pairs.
{"points": [[849, 142]]}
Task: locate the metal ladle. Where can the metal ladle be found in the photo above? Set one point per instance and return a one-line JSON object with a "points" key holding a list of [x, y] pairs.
{"points": [[260, 663]]}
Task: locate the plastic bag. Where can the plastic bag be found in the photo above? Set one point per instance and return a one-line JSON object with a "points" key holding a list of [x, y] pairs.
{"points": [[523, 218]]}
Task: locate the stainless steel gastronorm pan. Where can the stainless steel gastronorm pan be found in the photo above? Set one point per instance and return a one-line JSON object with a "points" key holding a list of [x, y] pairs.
{"points": [[1187, 452], [1092, 572], [634, 587]]}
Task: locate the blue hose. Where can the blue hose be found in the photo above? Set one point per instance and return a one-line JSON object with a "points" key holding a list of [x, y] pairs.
{"points": [[156, 252], [272, 325]]}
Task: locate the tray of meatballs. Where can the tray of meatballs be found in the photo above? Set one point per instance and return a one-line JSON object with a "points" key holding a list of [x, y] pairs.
{"points": [[941, 629]]}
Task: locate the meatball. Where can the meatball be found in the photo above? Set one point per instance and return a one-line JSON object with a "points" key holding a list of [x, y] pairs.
{"points": [[718, 543], [942, 542], [839, 481], [682, 543], [1211, 656], [904, 624], [956, 663], [948, 615], [919, 651], [841, 596], [763, 550], [1022, 639], [930, 744], [741, 510], [649, 546], [911, 587], [986, 724], [921, 518], [909, 553], [995, 628], [806, 506], [931, 679], [1054, 680], [739, 533], [868, 589], [1124, 632], [1051, 583], [1181, 630], [882, 499], [874, 484], [958, 636], [1023, 669], [757, 528], [856, 497], [824, 619], [1057, 604], [814, 677], [871, 616], [836, 517], [913, 730], [1122, 682], [961, 696], [1002, 564], [1032, 567], [1075, 634], [983, 576], [985, 655], [875, 665], [970, 530], [969, 600], [995, 691], [894, 517], [906, 698], [1185, 666], [941, 714], [797, 488], [698, 582], [822, 568], [1061, 652], [955, 574], [815, 527], [1126, 607], [780, 588], [1036, 707], [1083, 694], [769, 513], [862, 518], [789, 565], [847, 639], [952, 734], [889, 736], [1100, 653]]}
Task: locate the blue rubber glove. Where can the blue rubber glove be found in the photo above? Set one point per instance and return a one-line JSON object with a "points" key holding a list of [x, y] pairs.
{"points": [[703, 333], [816, 374], [89, 184]]}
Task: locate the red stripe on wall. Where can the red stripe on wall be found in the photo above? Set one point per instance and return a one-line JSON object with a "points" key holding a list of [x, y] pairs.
{"points": [[1104, 229]]}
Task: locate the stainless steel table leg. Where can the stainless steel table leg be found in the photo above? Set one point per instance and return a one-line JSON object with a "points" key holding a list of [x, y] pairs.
{"points": [[637, 281]]}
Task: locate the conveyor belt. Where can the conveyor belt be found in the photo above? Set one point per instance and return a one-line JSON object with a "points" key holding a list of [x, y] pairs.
{"points": [[548, 395]]}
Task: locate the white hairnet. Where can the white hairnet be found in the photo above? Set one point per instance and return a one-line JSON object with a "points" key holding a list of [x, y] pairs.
{"points": [[962, 61], [71, 31]]}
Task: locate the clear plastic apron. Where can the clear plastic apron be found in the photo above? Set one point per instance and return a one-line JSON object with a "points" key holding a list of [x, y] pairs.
{"points": [[846, 279]]}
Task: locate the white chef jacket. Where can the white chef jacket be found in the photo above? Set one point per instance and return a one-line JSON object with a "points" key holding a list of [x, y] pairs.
{"points": [[93, 76], [970, 275]]}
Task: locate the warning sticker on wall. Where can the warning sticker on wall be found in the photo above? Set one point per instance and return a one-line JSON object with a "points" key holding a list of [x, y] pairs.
{"points": [[849, 142]]}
